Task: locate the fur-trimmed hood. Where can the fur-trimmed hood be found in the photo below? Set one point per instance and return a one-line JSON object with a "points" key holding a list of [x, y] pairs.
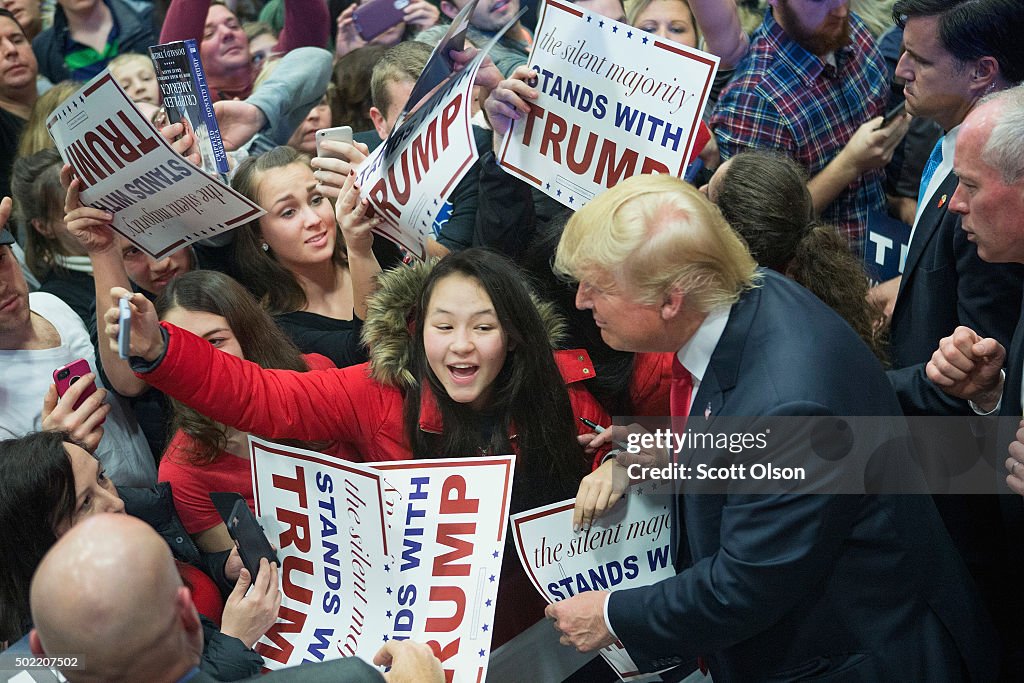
{"points": [[387, 331]]}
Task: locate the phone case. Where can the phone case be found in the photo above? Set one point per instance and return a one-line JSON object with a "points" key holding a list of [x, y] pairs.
{"points": [[377, 16], [339, 134], [253, 545], [67, 375], [124, 329]]}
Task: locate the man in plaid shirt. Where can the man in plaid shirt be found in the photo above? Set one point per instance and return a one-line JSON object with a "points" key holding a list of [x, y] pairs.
{"points": [[814, 86]]}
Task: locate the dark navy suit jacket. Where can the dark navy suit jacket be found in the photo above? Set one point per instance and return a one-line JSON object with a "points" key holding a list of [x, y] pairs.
{"points": [[945, 283], [786, 587]]}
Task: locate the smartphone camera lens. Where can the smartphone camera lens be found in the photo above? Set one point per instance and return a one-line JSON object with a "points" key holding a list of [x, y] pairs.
{"points": [[63, 374]]}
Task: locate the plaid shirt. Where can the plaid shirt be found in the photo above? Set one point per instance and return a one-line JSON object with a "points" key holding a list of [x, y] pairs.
{"points": [[785, 98]]}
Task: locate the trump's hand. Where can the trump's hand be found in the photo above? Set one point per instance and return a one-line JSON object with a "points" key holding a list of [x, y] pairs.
{"points": [[580, 620]]}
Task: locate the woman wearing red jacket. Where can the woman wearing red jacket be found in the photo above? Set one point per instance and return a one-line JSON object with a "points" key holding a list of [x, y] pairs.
{"points": [[461, 365]]}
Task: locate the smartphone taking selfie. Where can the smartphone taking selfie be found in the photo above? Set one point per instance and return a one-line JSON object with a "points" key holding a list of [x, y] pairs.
{"points": [[124, 329], [69, 374], [339, 134]]}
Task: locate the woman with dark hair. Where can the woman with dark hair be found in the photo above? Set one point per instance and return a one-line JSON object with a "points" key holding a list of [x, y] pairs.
{"points": [[49, 483], [293, 258], [764, 198], [461, 365], [204, 456]]}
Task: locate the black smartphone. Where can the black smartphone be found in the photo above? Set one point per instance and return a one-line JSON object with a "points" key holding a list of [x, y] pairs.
{"points": [[246, 531], [892, 114]]}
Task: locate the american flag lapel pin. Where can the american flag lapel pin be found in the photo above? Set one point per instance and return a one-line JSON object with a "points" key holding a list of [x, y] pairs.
{"points": [[942, 200]]}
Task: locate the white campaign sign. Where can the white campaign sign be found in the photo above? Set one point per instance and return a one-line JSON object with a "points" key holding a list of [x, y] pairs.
{"points": [[407, 179], [627, 548], [614, 102], [394, 550], [160, 201]]}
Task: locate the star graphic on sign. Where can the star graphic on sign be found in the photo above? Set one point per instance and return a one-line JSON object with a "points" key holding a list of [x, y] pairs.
{"points": [[600, 24], [389, 590], [492, 578], [385, 637], [589, 18], [484, 628], [387, 567], [629, 34], [570, 199], [558, 192], [487, 602], [495, 554], [615, 29], [645, 40], [547, 186], [388, 614], [482, 653]]}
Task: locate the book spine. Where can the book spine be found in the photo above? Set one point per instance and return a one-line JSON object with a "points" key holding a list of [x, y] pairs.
{"points": [[206, 106]]}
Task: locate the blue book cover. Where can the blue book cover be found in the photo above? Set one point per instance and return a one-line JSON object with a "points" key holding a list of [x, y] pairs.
{"points": [[186, 97]]}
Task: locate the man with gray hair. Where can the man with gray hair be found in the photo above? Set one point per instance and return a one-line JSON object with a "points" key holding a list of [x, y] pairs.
{"points": [[990, 197]]}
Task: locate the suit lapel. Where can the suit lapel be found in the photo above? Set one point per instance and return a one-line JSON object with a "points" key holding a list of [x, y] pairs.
{"points": [[719, 378], [931, 218]]}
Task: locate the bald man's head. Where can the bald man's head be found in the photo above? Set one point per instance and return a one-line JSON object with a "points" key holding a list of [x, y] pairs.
{"points": [[109, 592]]}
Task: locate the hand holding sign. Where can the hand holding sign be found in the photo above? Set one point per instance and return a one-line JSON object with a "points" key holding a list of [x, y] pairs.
{"points": [[580, 620], [410, 662], [356, 218], [510, 100], [91, 227], [599, 492]]}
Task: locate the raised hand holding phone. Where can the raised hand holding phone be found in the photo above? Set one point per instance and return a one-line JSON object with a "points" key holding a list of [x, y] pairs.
{"points": [[66, 376], [79, 408], [145, 338], [124, 328]]}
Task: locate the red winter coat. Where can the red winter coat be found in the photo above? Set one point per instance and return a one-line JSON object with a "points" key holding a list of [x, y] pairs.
{"points": [[344, 405]]}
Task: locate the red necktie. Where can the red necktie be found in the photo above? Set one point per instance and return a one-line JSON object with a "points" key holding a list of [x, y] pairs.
{"points": [[681, 394], [680, 398]]}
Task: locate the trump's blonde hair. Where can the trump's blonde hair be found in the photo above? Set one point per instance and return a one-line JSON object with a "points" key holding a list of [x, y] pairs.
{"points": [[652, 234]]}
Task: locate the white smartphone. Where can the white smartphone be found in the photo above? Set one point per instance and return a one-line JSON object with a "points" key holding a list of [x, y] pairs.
{"points": [[124, 329], [339, 134]]}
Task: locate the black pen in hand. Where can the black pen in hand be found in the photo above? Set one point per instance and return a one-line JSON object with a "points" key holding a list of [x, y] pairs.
{"points": [[599, 429]]}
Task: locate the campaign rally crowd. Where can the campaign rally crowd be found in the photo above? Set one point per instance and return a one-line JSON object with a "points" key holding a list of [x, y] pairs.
{"points": [[744, 289]]}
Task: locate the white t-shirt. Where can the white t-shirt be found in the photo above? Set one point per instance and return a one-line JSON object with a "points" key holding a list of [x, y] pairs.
{"points": [[25, 377]]}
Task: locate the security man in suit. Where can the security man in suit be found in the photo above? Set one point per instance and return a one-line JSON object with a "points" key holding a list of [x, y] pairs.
{"points": [[957, 51]]}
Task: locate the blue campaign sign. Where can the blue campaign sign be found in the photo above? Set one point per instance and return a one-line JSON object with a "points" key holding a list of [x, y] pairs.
{"points": [[885, 247]]}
